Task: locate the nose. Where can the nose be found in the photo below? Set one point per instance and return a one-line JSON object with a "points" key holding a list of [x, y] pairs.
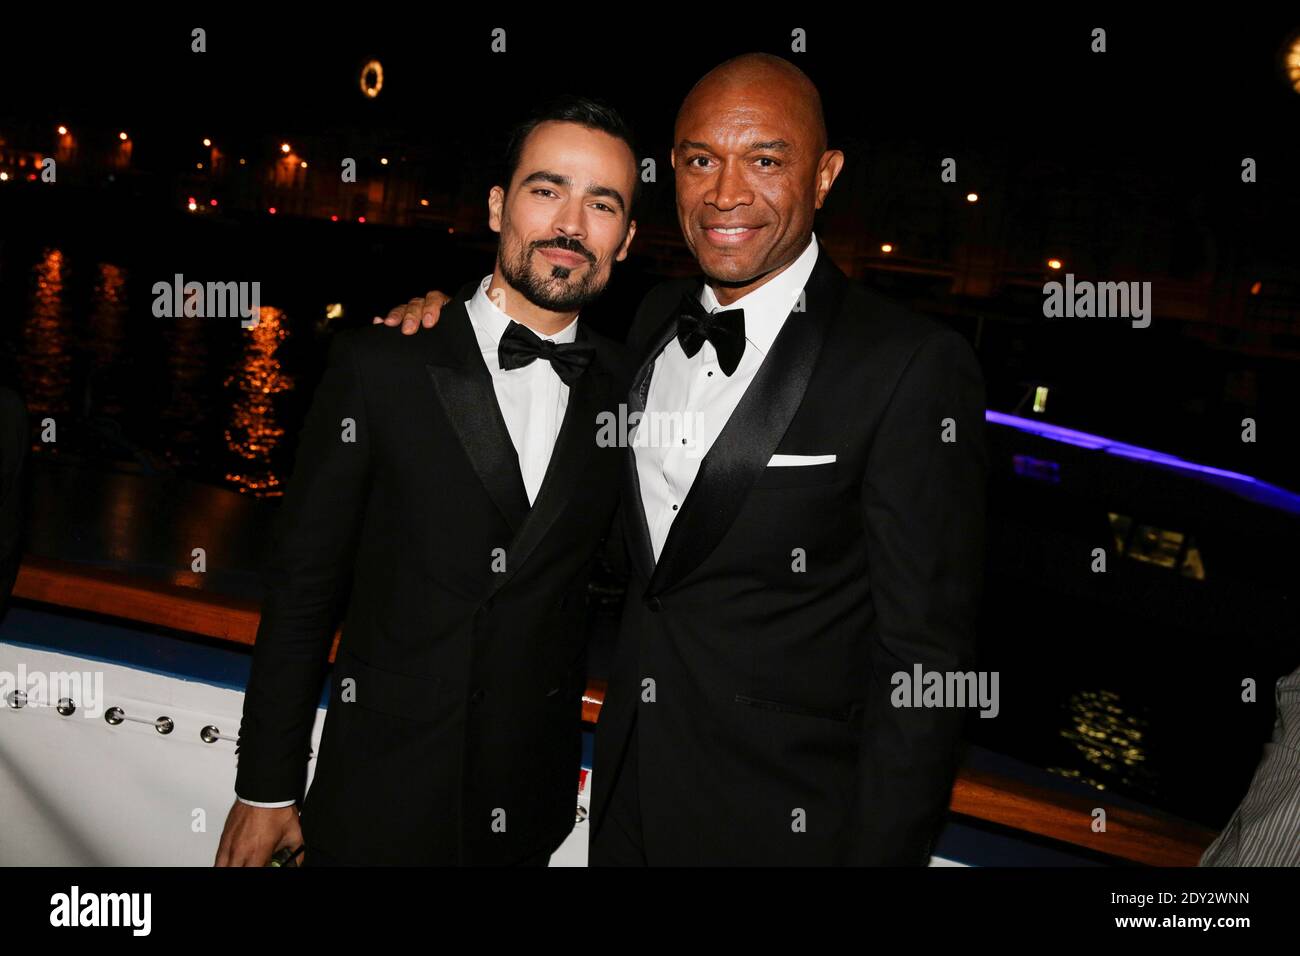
{"points": [[569, 221], [730, 189]]}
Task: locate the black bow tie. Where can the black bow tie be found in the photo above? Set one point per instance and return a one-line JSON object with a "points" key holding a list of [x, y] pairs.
{"points": [[520, 345], [725, 329]]}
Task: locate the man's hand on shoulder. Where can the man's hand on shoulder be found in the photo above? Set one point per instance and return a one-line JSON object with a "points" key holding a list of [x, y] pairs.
{"points": [[415, 313]]}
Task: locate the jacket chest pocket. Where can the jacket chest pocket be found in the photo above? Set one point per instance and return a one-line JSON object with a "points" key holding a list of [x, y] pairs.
{"points": [[797, 476]]}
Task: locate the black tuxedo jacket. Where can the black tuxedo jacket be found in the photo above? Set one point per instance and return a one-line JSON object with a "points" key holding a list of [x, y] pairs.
{"points": [[755, 657], [453, 733]]}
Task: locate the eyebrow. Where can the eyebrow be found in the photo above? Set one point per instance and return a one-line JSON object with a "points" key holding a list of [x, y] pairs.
{"points": [[555, 179], [777, 145]]}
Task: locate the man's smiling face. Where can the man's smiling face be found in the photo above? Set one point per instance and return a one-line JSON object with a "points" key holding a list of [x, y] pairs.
{"points": [[751, 167], [565, 219]]}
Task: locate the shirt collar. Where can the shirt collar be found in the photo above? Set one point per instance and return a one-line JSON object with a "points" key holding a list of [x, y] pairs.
{"points": [[767, 306], [490, 323]]}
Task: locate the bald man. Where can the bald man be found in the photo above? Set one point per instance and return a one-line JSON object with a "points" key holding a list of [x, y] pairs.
{"points": [[810, 530]]}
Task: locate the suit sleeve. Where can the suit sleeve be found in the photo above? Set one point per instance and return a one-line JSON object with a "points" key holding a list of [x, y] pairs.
{"points": [[306, 577], [923, 502]]}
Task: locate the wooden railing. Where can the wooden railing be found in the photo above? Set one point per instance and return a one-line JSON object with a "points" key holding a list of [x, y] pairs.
{"points": [[1141, 837]]}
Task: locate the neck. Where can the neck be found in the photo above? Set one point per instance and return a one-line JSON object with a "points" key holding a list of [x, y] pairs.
{"points": [[508, 300]]}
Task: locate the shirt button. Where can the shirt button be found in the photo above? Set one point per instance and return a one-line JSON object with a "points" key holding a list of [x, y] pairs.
{"points": [[476, 698], [654, 604]]}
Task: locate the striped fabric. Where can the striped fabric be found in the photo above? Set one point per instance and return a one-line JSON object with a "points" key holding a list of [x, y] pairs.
{"points": [[1265, 828]]}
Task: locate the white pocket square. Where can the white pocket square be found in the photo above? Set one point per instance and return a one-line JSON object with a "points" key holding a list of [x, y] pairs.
{"points": [[786, 461]]}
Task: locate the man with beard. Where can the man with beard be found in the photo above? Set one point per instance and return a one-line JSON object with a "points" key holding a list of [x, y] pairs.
{"points": [[829, 541], [457, 485]]}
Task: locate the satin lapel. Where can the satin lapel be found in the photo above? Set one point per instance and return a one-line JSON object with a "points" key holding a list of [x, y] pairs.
{"points": [[753, 432], [638, 530], [574, 447], [464, 386]]}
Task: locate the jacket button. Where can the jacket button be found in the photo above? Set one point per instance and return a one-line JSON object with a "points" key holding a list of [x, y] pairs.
{"points": [[476, 698], [654, 604]]}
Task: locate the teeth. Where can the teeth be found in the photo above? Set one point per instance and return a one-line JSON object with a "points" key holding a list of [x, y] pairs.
{"points": [[733, 231]]}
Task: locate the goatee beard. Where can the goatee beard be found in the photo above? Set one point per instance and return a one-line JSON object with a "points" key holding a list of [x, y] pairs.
{"points": [[551, 293]]}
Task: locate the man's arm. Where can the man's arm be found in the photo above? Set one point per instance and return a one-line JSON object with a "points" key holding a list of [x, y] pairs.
{"points": [[923, 502], [306, 576], [424, 312]]}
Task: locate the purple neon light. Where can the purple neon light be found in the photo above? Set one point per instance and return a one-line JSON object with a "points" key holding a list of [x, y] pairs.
{"points": [[1245, 485]]}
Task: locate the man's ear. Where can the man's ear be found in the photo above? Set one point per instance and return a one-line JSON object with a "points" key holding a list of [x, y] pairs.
{"points": [[828, 169], [496, 203], [627, 241], [672, 157]]}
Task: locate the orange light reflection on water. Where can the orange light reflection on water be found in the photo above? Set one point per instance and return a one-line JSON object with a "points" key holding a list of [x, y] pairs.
{"points": [[46, 361], [254, 432]]}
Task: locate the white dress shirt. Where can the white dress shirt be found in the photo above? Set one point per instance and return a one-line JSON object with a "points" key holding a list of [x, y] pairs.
{"points": [[532, 400], [693, 399]]}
